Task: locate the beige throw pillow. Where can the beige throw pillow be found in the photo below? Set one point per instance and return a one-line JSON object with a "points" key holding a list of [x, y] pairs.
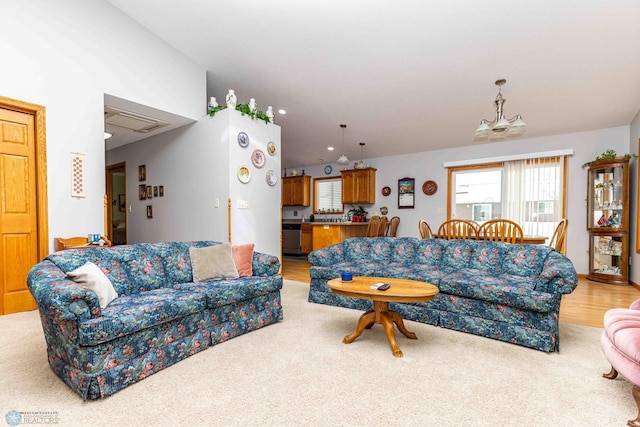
{"points": [[213, 262], [93, 278]]}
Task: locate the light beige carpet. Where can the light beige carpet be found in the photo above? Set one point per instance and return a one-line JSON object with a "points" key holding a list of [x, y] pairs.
{"points": [[298, 373]]}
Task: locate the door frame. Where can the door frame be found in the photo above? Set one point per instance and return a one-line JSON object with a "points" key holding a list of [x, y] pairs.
{"points": [[109, 197], [42, 208]]}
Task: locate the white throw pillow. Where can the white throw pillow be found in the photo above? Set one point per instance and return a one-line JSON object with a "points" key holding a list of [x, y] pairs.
{"points": [[92, 277], [213, 262]]}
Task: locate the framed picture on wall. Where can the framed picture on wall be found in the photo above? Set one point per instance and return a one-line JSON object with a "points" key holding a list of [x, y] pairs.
{"points": [[149, 192], [122, 202], [155, 191], [142, 192], [142, 173], [149, 211], [161, 190], [406, 193]]}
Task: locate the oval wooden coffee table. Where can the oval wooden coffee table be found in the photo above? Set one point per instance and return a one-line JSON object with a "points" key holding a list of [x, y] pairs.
{"points": [[401, 290]]}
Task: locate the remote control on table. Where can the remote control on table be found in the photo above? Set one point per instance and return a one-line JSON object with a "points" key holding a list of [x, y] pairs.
{"points": [[384, 287]]}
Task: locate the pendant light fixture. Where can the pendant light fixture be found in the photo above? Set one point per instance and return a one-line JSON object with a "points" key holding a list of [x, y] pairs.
{"points": [[343, 160], [500, 127]]}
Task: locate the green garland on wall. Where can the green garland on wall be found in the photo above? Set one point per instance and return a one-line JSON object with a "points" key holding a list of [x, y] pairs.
{"points": [[244, 110]]}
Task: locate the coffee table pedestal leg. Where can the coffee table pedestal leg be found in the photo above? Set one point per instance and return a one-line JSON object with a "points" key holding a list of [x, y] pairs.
{"points": [[382, 315]]}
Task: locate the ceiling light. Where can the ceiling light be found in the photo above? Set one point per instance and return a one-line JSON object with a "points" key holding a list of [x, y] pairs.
{"points": [[500, 127], [343, 159], [107, 135], [282, 111], [330, 148]]}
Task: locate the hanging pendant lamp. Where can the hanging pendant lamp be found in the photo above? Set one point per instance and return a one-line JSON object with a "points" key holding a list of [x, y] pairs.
{"points": [[500, 127], [343, 160]]}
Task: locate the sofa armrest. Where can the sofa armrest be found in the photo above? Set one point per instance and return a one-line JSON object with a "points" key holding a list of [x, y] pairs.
{"points": [[265, 265], [558, 276], [60, 298], [328, 256], [635, 305]]}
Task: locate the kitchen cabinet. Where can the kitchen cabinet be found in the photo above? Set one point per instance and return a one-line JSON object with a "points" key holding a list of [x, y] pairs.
{"points": [[359, 186], [296, 190], [307, 238], [608, 220]]}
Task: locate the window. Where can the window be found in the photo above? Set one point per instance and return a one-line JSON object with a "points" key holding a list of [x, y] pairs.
{"points": [[530, 192], [327, 195]]}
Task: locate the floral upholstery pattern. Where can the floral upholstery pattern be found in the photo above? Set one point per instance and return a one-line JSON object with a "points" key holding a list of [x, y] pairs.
{"points": [[493, 289], [159, 318]]}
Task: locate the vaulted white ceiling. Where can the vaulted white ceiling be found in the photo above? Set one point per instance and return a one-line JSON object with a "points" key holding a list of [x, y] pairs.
{"points": [[409, 75]]}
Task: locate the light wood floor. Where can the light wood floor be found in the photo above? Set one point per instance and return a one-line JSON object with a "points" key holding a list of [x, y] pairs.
{"points": [[584, 306]]}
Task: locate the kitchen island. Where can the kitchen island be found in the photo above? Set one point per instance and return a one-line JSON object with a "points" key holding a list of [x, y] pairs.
{"points": [[318, 235]]}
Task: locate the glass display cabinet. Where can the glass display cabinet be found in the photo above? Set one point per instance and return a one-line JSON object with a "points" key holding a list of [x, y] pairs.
{"points": [[608, 220]]}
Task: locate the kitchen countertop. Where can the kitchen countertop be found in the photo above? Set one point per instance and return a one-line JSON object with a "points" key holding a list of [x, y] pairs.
{"points": [[297, 221]]}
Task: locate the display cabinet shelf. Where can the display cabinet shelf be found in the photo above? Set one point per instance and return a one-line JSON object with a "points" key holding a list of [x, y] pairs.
{"points": [[608, 220]]}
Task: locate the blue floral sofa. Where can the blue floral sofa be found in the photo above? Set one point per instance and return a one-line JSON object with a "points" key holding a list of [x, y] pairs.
{"points": [[497, 290], [159, 318]]}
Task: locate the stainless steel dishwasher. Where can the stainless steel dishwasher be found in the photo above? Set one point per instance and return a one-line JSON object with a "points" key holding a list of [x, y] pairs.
{"points": [[292, 239]]}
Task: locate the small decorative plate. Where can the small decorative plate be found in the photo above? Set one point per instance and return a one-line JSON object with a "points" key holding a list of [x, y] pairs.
{"points": [[257, 158], [386, 191], [244, 174], [272, 178], [429, 188], [271, 148], [328, 169], [243, 140]]}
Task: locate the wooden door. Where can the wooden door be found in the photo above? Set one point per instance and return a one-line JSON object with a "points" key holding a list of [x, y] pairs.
{"points": [[18, 209]]}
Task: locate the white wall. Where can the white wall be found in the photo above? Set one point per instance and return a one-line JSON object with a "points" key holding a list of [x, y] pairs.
{"points": [[65, 55], [428, 166], [197, 164]]}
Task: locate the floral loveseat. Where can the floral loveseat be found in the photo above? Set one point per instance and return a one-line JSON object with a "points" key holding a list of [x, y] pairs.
{"points": [[506, 292], [159, 317]]}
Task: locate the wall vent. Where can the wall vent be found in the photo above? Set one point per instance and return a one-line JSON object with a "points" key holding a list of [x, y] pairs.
{"points": [[130, 120]]}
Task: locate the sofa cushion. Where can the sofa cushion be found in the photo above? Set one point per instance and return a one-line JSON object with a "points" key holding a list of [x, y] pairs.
{"points": [[403, 250], [242, 258], [525, 260], [457, 253], [213, 262], [228, 291], [505, 289], [368, 249], [488, 256], [91, 276], [428, 252], [132, 313]]}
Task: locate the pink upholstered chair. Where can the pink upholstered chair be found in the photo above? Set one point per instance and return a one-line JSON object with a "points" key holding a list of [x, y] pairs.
{"points": [[621, 345]]}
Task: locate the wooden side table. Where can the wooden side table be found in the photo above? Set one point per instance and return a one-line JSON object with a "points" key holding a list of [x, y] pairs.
{"points": [[401, 290]]}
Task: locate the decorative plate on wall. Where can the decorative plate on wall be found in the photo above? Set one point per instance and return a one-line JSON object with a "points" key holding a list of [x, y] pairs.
{"points": [[271, 148], [328, 169], [244, 174], [272, 178], [386, 191], [243, 140], [257, 158], [429, 188]]}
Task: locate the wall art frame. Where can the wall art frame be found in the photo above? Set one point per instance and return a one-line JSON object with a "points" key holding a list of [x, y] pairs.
{"points": [[406, 193]]}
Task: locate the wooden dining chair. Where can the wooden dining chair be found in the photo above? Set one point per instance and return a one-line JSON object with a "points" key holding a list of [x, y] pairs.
{"points": [[425, 230], [558, 239], [392, 227], [382, 227], [373, 226], [501, 230], [457, 229]]}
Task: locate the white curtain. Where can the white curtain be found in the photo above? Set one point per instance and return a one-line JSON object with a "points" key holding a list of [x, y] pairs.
{"points": [[532, 194]]}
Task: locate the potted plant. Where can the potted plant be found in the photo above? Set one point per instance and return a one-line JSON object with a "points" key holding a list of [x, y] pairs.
{"points": [[358, 214]]}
